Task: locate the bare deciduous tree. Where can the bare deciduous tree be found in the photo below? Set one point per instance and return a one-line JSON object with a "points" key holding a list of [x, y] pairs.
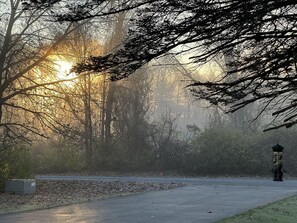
{"points": [[26, 43], [262, 32]]}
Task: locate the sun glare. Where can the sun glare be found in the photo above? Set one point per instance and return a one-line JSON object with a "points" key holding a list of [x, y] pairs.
{"points": [[63, 70]]}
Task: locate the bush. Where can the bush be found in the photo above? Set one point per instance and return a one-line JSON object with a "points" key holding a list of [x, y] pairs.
{"points": [[56, 157], [15, 163], [218, 151], [117, 157]]}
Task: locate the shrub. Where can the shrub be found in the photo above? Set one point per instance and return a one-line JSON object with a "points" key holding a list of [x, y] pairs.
{"points": [[15, 163], [56, 157]]}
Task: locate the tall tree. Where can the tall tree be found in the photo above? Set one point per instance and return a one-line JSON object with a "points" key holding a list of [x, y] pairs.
{"points": [[26, 43], [264, 33], [78, 99], [110, 87]]}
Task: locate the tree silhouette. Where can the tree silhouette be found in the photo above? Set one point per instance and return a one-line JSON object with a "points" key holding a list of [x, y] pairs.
{"points": [[262, 34]]}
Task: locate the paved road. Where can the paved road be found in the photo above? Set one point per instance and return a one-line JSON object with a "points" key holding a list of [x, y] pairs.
{"points": [[204, 200]]}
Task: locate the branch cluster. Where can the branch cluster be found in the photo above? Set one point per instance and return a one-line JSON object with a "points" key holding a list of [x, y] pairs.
{"points": [[262, 33]]}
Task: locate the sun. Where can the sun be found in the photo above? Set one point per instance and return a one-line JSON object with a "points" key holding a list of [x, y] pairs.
{"points": [[63, 69]]}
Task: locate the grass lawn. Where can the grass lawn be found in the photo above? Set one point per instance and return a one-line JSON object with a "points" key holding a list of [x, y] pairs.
{"points": [[283, 211]]}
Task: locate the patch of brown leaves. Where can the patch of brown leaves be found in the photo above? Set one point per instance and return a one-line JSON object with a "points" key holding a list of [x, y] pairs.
{"points": [[62, 192]]}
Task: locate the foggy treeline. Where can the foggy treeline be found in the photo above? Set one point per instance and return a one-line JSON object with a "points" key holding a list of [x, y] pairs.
{"points": [[53, 121]]}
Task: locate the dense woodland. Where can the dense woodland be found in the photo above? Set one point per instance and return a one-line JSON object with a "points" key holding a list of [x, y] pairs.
{"points": [[55, 118]]}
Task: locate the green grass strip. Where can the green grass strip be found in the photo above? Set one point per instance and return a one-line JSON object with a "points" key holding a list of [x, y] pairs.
{"points": [[283, 211]]}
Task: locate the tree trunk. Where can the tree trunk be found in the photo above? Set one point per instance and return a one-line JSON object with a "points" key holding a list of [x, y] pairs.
{"points": [[109, 87], [88, 121]]}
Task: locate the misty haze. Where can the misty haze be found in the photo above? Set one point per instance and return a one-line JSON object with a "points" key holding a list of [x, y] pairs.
{"points": [[101, 99]]}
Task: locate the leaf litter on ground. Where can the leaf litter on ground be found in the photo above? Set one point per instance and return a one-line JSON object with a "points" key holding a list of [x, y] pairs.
{"points": [[53, 193]]}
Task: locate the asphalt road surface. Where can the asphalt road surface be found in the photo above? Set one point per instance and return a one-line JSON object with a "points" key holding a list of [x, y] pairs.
{"points": [[203, 200]]}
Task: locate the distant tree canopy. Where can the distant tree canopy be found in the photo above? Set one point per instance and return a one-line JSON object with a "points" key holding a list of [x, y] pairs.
{"points": [[260, 35]]}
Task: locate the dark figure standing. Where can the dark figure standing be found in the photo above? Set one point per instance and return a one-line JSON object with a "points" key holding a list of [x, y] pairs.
{"points": [[277, 162], [277, 172]]}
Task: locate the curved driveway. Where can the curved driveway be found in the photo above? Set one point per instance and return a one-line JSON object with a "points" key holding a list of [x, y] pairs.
{"points": [[203, 200]]}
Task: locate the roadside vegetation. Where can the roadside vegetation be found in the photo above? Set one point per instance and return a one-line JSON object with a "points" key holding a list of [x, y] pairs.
{"points": [[210, 152]]}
